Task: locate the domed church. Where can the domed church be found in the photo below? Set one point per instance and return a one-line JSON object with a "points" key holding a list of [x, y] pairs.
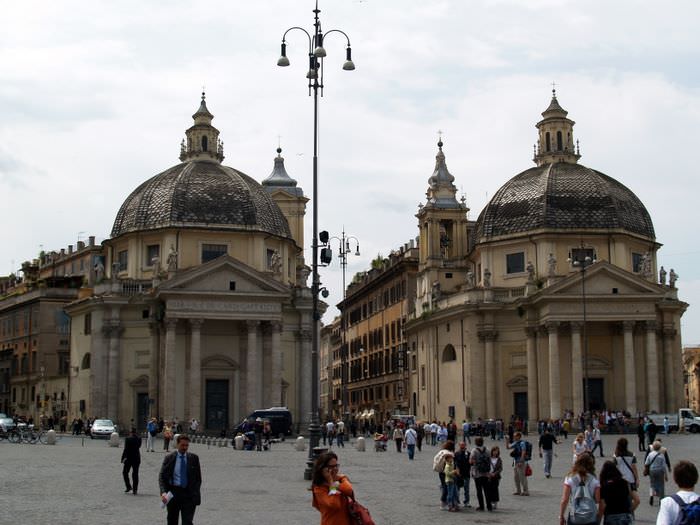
{"points": [[201, 308], [552, 301]]}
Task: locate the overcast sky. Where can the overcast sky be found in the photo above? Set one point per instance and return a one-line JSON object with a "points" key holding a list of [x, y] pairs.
{"points": [[95, 97]]}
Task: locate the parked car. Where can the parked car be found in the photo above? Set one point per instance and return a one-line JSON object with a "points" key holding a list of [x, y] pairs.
{"points": [[6, 423], [689, 418], [280, 419], [102, 428]]}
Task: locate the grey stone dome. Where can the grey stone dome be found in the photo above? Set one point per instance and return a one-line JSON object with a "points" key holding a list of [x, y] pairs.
{"points": [[201, 194], [563, 196]]}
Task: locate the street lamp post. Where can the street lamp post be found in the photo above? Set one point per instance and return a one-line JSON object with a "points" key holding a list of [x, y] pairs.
{"points": [[343, 251], [583, 261], [315, 76]]}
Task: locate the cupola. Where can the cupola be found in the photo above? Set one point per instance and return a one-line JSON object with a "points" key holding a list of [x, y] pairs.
{"points": [[202, 139], [556, 136]]}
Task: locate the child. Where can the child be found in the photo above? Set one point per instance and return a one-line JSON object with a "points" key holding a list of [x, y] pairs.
{"points": [[450, 474]]}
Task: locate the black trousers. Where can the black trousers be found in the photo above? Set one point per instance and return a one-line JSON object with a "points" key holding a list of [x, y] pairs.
{"points": [[181, 504], [482, 491], [134, 467]]}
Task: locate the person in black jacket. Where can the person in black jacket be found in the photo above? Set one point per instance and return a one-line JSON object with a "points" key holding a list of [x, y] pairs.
{"points": [[131, 458], [181, 476], [462, 464]]}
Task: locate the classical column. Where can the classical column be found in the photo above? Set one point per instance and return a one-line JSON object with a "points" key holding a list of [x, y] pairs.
{"points": [[554, 389], [669, 333], [195, 368], [113, 366], [532, 384], [652, 367], [153, 407], [630, 379], [169, 375], [576, 369], [276, 365], [304, 387], [488, 337], [253, 363]]}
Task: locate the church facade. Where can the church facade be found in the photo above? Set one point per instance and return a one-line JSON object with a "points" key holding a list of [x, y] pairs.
{"points": [[550, 301], [201, 308]]}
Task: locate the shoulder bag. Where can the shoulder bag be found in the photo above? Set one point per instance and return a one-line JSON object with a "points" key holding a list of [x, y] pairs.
{"points": [[359, 515]]}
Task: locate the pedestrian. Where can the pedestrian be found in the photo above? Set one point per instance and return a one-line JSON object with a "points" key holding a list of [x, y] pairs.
{"points": [[410, 439], [180, 480], [152, 431], [439, 467], [398, 438], [615, 497], [494, 477], [464, 468], [666, 425], [579, 447], [640, 434], [340, 433], [546, 446], [465, 432], [324, 433], [597, 442], [565, 427], [627, 465], [518, 453], [450, 474], [434, 427], [258, 429], [330, 432], [194, 426], [420, 435], [131, 458], [481, 467], [685, 474], [656, 466], [330, 490], [167, 435], [581, 493]]}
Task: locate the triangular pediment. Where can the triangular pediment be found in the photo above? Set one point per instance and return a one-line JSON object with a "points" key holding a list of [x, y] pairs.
{"points": [[603, 278], [223, 275]]}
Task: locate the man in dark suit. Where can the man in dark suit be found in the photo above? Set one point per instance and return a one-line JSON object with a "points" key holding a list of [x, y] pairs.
{"points": [[181, 475], [131, 457]]}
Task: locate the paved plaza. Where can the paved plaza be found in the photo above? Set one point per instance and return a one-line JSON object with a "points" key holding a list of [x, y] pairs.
{"points": [[79, 481]]}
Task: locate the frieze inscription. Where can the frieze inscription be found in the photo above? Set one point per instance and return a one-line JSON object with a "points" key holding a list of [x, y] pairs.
{"points": [[223, 306]]}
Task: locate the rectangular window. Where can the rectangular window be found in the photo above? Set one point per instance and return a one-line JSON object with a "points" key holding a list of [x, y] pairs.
{"points": [[270, 254], [515, 262], [87, 327], [212, 251], [422, 376], [123, 260], [637, 262], [152, 252]]}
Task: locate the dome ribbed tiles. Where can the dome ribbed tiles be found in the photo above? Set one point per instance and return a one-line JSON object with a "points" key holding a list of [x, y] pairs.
{"points": [[200, 195], [563, 196]]}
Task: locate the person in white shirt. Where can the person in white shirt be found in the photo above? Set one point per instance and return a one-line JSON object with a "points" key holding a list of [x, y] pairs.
{"points": [[410, 438], [597, 442], [685, 474], [433, 432]]}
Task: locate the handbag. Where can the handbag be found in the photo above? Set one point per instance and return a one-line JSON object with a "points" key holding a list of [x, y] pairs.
{"points": [[528, 470], [646, 470], [359, 515]]}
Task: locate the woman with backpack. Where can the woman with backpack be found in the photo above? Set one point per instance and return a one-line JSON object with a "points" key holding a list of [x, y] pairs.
{"points": [[481, 467], [581, 494], [656, 466], [615, 496]]}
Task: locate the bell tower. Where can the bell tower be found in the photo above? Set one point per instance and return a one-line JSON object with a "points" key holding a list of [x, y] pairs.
{"points": [[556, 136], [202, 139], [443, 238]]}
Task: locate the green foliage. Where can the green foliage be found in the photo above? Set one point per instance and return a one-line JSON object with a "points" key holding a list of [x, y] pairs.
{"points": [[378, 261]]}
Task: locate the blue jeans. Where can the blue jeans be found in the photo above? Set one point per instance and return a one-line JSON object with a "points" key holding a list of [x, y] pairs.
{"points": [[451, 494], [411, 451], [443, 488], [466, 490], [339, 439], [547, 456]]}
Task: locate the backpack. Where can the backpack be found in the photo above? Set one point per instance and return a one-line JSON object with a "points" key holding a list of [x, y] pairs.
{"points": [[439, 461], [583, 506], [528, 450], [690, 512], [482, 462]]}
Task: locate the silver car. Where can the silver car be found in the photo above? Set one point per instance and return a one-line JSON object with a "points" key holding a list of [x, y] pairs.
{"points": [[6, 423], [102, 428]]}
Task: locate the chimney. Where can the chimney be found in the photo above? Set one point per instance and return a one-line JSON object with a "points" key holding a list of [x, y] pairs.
{"points": [[91, 240], [70, 249], [63, 252], [81, 245]]}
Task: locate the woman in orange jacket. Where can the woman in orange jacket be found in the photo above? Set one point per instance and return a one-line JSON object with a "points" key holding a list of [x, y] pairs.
{"points": [[330, 488]]}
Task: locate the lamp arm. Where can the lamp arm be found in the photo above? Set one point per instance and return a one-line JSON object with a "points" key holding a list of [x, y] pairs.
{"points": [[337, 31], [308, 36]]}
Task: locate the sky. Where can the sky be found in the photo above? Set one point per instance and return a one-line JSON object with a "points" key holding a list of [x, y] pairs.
{"points": [[95, 97]]}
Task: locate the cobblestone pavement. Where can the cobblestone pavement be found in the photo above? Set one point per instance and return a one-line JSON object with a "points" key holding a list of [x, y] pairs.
{"points": [[79, 481]]}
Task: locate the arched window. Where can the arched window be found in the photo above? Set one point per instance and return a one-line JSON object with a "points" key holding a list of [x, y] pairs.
{"points": [[548, 142], [560, 142], [205, 143], [449, 354], [86, 362]]}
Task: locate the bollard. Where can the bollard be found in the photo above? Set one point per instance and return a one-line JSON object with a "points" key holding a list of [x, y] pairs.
{"points": [[225, 442], [51, 437], [360, 445], [114, 439], [300, 444], [238, 442]]}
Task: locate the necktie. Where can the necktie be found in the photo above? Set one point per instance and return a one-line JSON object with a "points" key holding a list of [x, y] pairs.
{"points": [[183, 471]]}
